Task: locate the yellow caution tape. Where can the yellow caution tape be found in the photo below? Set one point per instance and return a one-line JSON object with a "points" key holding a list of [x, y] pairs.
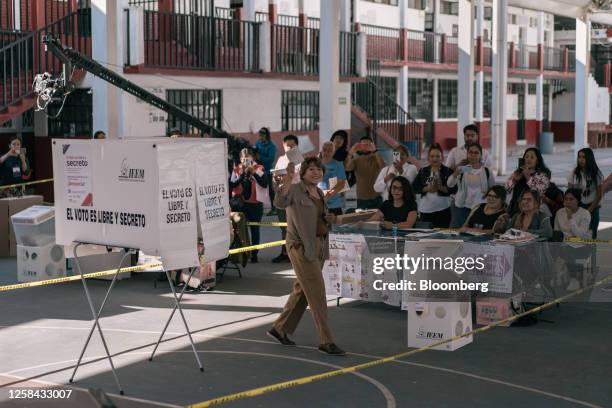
{"points": [[124, 270], [268, 224], [29, 183], [588, 241], [77, 277], [305, 380]]}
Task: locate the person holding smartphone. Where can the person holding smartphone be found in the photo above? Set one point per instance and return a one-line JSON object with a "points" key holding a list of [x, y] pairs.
{"points": [[248, 184], [531, 174], [364, 160], [399, 167], [13, 164], [473, 181]]}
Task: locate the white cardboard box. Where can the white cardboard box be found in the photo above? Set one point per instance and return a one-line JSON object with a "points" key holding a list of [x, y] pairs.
{"points": [[432, 322], [40, 263]]}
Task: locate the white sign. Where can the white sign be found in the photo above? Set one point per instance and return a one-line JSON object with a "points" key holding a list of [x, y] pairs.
{"points": [[145, 196], [498, 262], [76, 160]]}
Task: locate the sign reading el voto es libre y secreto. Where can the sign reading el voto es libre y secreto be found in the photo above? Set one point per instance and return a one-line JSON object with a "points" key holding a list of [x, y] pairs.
{"points": [[157, 195]]}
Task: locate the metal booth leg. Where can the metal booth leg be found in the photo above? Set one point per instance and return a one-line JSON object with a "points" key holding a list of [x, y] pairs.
{"points": [[96, 317], [177, 305]]}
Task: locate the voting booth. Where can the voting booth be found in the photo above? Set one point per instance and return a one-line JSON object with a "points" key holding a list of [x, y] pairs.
{"points": [[160, 196]]}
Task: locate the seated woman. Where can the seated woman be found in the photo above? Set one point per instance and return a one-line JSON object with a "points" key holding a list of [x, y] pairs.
{"points": [[484, 216], [530, 219], [573, 220], [400, 208]]}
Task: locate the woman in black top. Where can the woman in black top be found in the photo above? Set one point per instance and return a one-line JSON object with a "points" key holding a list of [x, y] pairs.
{"points": [[400, 208], [484, 217], [340, 141]]}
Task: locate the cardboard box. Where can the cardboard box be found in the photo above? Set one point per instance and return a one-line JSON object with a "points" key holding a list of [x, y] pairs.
{"points": [[432, 322], [355, 217], [40, 262], [8, 207], [490, 310]]}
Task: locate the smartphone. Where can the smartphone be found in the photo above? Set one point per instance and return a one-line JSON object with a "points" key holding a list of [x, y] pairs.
{"points": [[465, 169], [247, 162], [521, 162], [396, 157], [363, 147]]}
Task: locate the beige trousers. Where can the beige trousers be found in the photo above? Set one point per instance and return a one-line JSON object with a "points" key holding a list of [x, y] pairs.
{"points": [[309, 289]]}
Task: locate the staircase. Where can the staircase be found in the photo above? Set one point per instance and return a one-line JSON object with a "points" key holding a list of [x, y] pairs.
{"points": [[22, 56], [375, 110]]}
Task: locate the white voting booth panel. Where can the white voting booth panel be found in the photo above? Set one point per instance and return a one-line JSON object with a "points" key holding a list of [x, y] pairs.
{"points": [[152, 194], [432, 322]]}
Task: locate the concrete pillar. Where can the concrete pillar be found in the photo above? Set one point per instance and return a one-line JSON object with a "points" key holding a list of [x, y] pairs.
{"points": [[500, 85], [434, 113], [16, 15], [329, 78], [403, 88], [540, 78], [581, 99], [265, 49], [249, 7], [108, 39], [465, 84], [362, 54], [136, 34], [345, 15]]}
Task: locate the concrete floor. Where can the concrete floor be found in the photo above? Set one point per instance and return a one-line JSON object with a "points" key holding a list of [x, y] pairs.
{"points": [[565, 363]]}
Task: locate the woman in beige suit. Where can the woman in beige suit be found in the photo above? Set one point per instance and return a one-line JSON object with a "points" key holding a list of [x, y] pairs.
{"points": [[307, 245]]}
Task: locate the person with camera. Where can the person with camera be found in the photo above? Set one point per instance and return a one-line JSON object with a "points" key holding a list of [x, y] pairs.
{"points": [[431, 184], [364, 160], [13, 164], [308, 223], [248, 184], [399, 167], [531, 174]]}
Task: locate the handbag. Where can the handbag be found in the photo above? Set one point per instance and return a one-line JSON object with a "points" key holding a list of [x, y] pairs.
{"points": [[236, 203]]}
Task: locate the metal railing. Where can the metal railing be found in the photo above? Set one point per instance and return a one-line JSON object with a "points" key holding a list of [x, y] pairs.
{"points": [[387, 115], [526, 56], [571, 61], [224, 12], [261, 16], [200, 42], [423, 46], [7, 15], [554, 59], [192, 7], [487, 54], [9, 37], [451, 50], [382, 42], [26, 57], [348, 54], [295, 49], [286, 20]]}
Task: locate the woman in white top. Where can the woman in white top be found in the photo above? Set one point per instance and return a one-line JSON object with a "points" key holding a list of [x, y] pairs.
{"points": [[572, 220], [400, 167], [472, 181], [588, 178]]}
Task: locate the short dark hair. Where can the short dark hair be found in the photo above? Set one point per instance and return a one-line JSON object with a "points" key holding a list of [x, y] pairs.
{"points": [[291, 137], [435, 146], [478, 146], [366, 138], [402, 148], [15, 137], [500, 192], [265, 131], [471, 127], [310, 161], [534, 193], [175, 131], [98, 133], [408, 192]]}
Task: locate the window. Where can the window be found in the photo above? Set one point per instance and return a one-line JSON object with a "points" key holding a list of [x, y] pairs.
{"points": [[449, 7], [488, 13], [204, 104], [455, 30], [420, 96], [531, 89], [300, 110], [487, 102], [429, 22], [516, 88], [417, 4], [386, 107], [447, 98], [75, 118], [388, 2]]}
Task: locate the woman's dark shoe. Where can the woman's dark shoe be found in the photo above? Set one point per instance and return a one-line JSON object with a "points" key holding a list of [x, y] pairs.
{"points": [[331, 349], [254, 258], [284, 340], [281, 258]]}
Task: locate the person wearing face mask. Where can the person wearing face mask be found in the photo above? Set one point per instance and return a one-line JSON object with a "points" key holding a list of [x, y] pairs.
{"points": [[364, 160], [573, 220], [531, 174], [13, 164], [333, 169], [431, 184], [249, 183], [399, 167], [472, 181], [308, 224]]}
